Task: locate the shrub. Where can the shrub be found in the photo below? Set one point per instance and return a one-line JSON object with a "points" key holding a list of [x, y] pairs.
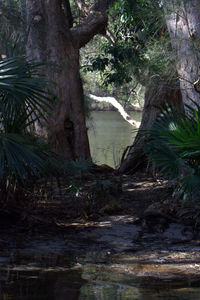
{"points": [[22, 102], [174, 147]]}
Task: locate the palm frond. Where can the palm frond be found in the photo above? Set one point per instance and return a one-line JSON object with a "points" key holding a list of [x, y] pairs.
{"points": [[21, 90], [174, 146], [23, 100], [17, 160]]}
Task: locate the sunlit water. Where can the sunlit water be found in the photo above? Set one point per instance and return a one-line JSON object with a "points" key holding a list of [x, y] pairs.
{"points": [[109, 134]]}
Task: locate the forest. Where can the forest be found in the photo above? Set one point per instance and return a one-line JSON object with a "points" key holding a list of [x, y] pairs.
{"points": [[99, 149]]}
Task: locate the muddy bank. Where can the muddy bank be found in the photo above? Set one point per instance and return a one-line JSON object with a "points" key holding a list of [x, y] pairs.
{"points": [[133, 230], [112, 249]]}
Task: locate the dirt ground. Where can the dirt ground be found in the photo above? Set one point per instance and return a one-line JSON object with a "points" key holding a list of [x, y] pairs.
{"points": [[101, 214], [84, 199]]}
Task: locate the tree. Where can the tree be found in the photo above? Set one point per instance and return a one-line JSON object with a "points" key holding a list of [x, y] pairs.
{"points": [[156, 98], [183, 23], [53, 39], [153, 66]]}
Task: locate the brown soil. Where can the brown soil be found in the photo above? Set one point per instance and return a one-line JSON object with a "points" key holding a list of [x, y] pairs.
{"points": [[83, 198], [94, 195], [72, 204]]}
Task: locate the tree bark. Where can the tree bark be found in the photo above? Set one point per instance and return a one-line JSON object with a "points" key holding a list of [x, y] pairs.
{"points": [[183, 22], [54, 41], [156, 97]]}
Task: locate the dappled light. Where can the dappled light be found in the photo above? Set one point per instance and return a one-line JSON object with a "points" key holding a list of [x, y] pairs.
{"points": [[99, 149]]}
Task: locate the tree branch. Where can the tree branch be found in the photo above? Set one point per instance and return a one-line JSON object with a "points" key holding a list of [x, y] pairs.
{"points": [[82, 6], [94, 23], [118, 106], [110, 36]]}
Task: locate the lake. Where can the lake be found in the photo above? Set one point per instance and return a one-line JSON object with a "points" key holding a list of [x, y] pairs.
{"points": [[109, 134]]}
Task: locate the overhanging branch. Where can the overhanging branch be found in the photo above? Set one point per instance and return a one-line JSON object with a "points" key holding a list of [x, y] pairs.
{"points": [[118, 106], [94, 23]]}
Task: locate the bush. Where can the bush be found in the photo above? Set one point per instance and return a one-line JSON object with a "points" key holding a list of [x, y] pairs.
{"points": [[23, 156], [174, 147]]}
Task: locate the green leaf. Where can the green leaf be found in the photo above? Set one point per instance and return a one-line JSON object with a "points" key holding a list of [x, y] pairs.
{"points": [[174, 146]]}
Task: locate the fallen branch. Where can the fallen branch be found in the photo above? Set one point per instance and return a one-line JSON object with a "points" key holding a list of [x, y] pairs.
{"points": [[118, 106]]}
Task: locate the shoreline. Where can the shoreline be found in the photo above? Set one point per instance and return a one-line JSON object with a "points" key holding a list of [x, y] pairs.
{"points": [[111, 108]]}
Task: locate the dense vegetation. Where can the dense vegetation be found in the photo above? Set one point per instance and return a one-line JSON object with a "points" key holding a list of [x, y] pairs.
{"points": [[24, 157], [66, 223], [173, 145], [135, 53]]}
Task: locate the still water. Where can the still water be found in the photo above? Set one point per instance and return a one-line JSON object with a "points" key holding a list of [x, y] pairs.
{"points": [[109, 134], [68, 277]]}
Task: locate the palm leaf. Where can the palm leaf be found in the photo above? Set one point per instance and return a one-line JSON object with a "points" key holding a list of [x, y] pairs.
{"points": [[22, 90], [174, 146], [23, 100], [17, 160]]}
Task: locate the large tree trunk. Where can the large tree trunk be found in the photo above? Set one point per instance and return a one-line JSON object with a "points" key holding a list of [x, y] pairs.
{"points": [[50, 41], [183, 22], [53, 40], [156, 97]]}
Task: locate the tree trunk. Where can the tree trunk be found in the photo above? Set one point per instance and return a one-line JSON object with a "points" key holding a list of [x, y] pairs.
{"points": [[50, 41], [156, 97], [183, 22], [53, 40]]}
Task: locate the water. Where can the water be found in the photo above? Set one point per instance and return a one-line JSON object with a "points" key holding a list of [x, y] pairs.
{"points": [[65, 278], [109, 134]]}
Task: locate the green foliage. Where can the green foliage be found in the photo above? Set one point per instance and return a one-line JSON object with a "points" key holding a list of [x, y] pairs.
{"points": [[22, 98], [22, 103], [174, 147], [141, 44], [139, 54]]}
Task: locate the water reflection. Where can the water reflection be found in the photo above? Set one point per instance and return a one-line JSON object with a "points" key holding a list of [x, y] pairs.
{"points": [[50, 285], [89, 282], [101, 291]]}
